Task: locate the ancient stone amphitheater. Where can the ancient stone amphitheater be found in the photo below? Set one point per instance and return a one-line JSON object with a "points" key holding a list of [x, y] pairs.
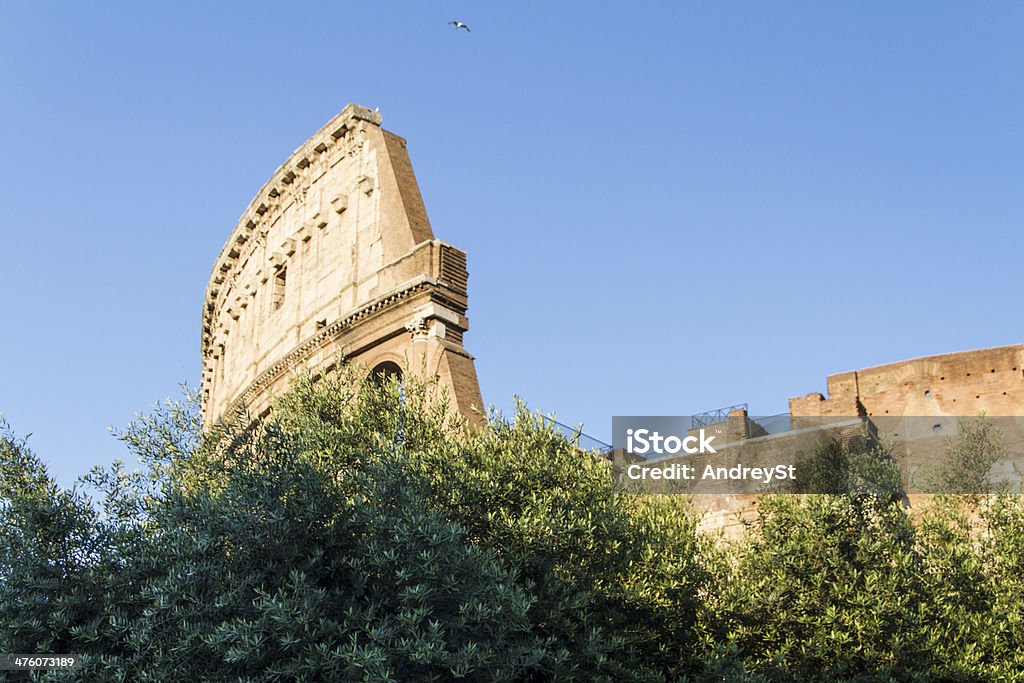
{"points": [[335, 255]]}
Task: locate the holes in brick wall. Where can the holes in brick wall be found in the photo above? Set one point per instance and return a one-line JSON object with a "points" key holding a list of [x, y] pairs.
{"points": [[937, 428], [942, 378], [321, 324], [928, 393]]}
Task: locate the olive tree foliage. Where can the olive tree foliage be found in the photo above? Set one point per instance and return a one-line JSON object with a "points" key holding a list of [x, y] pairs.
{"points": [[826, 588], [360, 533], [613, 582], [856, 465], [856, 586], [367, 533], [973, 547], [1002, 553], [970, 455]]}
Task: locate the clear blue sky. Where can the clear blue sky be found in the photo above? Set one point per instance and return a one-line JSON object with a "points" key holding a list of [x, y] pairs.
{"points": [[668, 207]]}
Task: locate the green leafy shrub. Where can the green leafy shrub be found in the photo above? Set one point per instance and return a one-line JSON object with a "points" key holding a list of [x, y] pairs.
{"points": [[366, 533], [361, 533]]}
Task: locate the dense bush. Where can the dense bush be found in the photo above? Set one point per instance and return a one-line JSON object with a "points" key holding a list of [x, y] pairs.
{"points": [[360, 534], [365, 533], [855, 465]]}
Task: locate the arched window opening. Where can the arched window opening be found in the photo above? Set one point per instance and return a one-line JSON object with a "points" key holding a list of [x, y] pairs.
{"points": [[383, 372]]}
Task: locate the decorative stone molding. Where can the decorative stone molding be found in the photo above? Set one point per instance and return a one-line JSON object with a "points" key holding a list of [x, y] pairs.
{"points": [[418, 328]]}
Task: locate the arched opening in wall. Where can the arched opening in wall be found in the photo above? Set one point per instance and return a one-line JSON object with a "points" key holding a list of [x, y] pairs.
{"points": [[383, 372]]}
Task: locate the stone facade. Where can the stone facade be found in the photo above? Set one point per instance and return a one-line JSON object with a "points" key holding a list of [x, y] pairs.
{"points": [[336, 256]]}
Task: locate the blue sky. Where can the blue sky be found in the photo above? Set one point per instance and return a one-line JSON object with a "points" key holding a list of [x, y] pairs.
{"points": [[668, 207]]}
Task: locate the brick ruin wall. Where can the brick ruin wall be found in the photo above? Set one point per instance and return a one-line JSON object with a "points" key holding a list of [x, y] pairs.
{"points": [[964, 383]]}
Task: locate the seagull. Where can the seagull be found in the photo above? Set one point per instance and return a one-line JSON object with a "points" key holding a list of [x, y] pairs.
{"points": [[458, 25]]}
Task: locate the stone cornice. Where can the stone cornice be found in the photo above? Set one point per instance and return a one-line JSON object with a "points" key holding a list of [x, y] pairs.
{"points": [[324, 337]]}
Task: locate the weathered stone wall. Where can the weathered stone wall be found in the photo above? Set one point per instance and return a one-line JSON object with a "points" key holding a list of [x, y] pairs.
{"points": [[965, 383], [944, 386], [335, 255]]}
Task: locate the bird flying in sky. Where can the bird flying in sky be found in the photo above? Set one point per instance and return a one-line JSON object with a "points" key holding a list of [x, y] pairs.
{"points": [[458, 25]]}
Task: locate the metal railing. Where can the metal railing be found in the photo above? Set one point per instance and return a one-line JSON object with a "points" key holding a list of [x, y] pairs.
{"points": [[583, 441], [773, 424], [759, 426], [715, 416]]}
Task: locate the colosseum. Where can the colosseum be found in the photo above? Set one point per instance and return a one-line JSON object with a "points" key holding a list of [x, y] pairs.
{"points": [[335, 257]]}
